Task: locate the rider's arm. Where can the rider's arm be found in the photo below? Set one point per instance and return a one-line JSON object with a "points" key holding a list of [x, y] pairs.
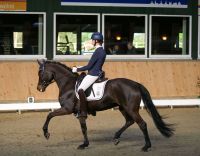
{"points": [[90, 63]]}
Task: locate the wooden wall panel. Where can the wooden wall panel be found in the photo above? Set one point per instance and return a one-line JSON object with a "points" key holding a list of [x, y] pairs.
{"points": [[164, 79], [18, 80]]}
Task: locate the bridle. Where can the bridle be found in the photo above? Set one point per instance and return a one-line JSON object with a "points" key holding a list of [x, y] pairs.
{"points": [[45, 83]]}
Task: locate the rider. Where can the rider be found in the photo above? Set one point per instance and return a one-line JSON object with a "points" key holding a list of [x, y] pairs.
{"points": [[94, 68]]}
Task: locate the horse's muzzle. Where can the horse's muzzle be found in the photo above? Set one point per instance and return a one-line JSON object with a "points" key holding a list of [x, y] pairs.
{"points": [[40, 88]]}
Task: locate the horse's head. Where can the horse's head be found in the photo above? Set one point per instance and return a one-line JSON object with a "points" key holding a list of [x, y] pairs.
{"points": [[45, 76]]}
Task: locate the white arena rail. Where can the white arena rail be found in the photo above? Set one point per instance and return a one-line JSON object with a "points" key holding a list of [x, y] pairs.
{"points": [[174, 102], [55, 105], [29, 106]]}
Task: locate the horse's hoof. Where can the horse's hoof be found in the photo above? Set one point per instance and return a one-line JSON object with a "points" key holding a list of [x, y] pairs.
{"points": [[47, 135], [81, 147], [145, 148], [116, 141]]}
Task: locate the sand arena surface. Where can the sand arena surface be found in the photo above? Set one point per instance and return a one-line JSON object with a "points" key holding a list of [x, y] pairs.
{"points": [[21, 135]]}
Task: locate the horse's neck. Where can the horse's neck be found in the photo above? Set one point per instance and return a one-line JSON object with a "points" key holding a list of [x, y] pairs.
{"points": [[64, 79]]}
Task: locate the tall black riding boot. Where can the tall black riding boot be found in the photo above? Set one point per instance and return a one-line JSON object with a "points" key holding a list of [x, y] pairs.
{"points": [[83, 103]]}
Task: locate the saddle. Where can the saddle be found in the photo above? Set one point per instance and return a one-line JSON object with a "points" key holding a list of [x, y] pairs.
{"points": [[100, 81]]}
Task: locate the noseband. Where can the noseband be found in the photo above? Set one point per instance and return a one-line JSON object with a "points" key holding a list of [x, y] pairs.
{"points": [[45, 83]]}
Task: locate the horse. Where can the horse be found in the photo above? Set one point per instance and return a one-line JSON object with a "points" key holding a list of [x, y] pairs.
{"points": [[119, 92]]}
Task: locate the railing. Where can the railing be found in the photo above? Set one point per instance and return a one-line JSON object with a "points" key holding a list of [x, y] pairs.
{"points": [[55, 105]]}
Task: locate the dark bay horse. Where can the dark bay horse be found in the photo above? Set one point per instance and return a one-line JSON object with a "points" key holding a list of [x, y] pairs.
{"points": [[121, 92]]}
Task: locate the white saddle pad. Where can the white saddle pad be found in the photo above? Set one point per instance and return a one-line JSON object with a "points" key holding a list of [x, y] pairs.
{"points": [[98, 89]]}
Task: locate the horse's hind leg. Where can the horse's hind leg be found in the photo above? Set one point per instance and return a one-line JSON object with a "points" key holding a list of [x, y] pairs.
{"points": [[143, 126], [129, 122]]}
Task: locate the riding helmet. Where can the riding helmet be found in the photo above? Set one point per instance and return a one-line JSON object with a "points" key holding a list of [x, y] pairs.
{"points": [[97, 36]]}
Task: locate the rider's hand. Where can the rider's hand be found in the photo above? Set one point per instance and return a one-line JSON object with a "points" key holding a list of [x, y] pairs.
{"points": [[74, 69]]}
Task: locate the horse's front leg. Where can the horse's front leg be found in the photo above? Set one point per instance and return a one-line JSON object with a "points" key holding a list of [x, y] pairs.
{"points": [[58, 112], [82, 121]]}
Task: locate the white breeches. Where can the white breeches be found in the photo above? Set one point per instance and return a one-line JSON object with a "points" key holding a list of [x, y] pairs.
{"points": [[87, 82]]}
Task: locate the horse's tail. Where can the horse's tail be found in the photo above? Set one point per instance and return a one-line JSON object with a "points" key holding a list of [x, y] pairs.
{"points": [[164, 128]]}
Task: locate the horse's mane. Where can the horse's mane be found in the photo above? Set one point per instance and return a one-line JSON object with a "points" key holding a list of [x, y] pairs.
{"points": [[62, 65]]}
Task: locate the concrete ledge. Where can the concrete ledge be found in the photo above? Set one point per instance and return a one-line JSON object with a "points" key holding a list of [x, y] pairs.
{"points": [[55, 105]]}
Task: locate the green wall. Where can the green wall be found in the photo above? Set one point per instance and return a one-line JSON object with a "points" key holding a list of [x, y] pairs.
{"points": [[51, 6]]}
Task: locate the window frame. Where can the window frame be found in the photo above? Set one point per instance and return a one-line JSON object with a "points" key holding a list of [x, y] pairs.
{"points": [[127, 57], [188, 56], [199, 34], [28, 57], [71, 57]]}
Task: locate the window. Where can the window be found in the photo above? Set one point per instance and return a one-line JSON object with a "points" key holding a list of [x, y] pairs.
{"points": [[22, 34], [63, 44], [125, 34], [199, 34], [73, 33], [18, 39], [170, 36]]}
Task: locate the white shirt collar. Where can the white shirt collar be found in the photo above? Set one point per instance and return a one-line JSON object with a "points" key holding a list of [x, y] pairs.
{"points": [[97, 46]]}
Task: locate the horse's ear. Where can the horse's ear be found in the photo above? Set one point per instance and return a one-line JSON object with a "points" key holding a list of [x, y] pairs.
{"points": [[41, 61]]}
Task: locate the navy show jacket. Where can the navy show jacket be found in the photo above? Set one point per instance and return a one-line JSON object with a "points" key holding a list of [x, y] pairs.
{"points": [[95, 63]]}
